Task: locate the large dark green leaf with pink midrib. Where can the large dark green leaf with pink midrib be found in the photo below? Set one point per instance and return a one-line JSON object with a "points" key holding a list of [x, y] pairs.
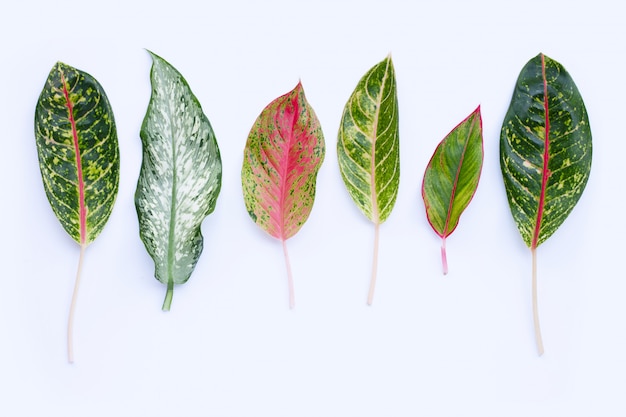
{"points": [[78, 151], [78, 158], [545, 149], [545, 156]]}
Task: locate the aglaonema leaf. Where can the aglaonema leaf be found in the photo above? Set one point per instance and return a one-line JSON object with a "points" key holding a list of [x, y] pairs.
{"points": [[368, 149], [283, 154], [451, 177], [545, 155], [79, 158], [180, 176]]}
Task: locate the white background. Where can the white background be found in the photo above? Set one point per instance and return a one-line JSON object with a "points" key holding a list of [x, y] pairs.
{"points": [[459, 345]]}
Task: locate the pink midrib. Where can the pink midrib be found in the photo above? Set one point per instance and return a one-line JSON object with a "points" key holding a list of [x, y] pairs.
{"points": [[546, 157], [456, 182], [284, 167], [82, 211]]}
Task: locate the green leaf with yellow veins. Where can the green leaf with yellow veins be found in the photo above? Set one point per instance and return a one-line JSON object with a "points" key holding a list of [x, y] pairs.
{"points": [[545, 155], [78, 157], [368, 149]]}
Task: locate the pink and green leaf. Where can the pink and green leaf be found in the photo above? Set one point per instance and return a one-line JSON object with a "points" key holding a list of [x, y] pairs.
{"points": [[283, 154], [452, 176]]}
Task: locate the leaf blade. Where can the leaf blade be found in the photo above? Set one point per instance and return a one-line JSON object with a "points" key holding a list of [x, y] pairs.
{"points": [[545, 149], [283, 154], [368, 143], [180, 177], [452, 175], [78, 151]]}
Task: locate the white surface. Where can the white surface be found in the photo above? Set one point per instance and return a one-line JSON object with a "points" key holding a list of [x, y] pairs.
{"points": [[460, 345]]}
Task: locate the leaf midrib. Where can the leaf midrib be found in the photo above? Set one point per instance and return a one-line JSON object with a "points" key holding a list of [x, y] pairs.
{"points": [[545, 174], [82, 211], [171, 243], [374, 137], [456, 179], [285, 163]]}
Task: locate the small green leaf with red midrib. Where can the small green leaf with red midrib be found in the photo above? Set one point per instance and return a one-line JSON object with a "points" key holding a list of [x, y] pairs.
{"points": [[451, 177]]}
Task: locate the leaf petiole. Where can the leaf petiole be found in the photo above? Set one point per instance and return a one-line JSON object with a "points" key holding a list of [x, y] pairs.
{"points": [[168, 295], [70, 321], [444, 257], [370, 296], [292, 297], [535, 308]]}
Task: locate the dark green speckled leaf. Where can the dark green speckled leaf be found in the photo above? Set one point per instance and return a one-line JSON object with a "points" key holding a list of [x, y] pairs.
{"points": [[78, 157], [180, 176], [545, 155], [78, 151], [545, 149]]}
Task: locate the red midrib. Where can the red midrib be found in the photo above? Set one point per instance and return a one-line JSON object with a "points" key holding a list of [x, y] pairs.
{"points": [[456, 180], [82, 211], [546, 156], [285, 162]]}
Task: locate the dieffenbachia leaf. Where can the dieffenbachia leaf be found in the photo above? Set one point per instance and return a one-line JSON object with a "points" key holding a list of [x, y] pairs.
{"points": [[368, 148], [180, 176], [451, 177], [78, 157], [283, 154], [545, 155]]}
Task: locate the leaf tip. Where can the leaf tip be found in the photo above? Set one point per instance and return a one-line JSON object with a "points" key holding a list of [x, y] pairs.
{"points": [[478, 113], [299, 89], [155, 57], [389, 59]]}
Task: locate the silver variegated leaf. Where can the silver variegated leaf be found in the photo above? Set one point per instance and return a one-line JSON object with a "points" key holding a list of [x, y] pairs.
{"points": [[180, 176]]}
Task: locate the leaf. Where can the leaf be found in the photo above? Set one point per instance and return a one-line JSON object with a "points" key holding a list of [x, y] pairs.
{"points": [[283, 154], [180, 176], [78, 157], [368, 148], [451, 177], [545, 154]]}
